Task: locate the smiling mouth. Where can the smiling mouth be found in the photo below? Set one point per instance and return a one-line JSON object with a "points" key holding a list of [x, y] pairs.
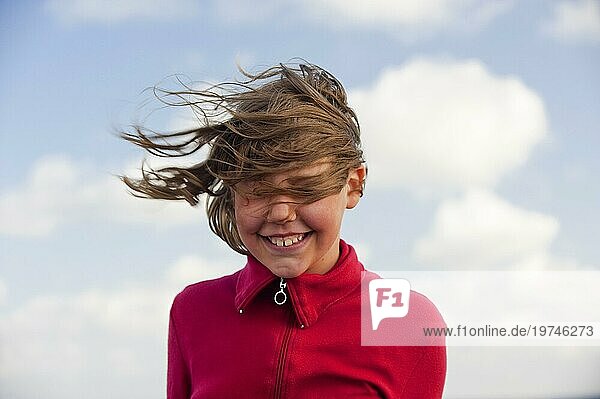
{"points": [[286, 241]]}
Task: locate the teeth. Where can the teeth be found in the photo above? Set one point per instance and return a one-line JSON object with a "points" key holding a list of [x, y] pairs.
{"points": [[286, 241]]}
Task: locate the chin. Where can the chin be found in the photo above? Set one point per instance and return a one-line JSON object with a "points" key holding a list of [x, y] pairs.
{"points": [[287, 271], [292, 274]]}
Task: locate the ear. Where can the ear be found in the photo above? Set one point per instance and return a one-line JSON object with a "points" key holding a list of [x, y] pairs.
{"points": [[356, 181]]}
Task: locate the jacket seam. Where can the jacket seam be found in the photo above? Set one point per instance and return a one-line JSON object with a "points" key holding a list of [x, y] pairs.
{"points": [[348, 294]]}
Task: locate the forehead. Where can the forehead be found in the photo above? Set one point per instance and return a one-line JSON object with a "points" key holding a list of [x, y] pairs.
{"points": [[305, 184], [282, 178], [313, 170]]}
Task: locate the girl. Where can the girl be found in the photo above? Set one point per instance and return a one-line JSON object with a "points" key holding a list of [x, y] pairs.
{"points": [[285, 162]]}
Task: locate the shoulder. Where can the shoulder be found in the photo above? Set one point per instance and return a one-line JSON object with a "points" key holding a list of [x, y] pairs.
{"points": [[203, 293], [424, 309]]}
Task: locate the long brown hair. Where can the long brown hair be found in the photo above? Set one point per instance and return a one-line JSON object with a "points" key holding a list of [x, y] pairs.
{"points": [[276, 121]]}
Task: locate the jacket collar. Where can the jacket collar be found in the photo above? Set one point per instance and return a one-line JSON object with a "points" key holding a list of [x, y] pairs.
{"points": [[310, 294]]}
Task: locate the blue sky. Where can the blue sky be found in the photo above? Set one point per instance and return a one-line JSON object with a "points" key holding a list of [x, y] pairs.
{"points": [[480, 124]]}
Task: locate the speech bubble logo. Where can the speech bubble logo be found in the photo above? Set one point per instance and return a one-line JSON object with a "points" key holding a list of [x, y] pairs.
{"points": [[389, 297]]}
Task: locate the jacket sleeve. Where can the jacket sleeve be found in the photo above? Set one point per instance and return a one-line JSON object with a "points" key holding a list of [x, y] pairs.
{"points": [[178, 378], [426, 381]]}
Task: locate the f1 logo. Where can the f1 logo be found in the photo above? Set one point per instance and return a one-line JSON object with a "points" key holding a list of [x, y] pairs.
{"points": [[389, 297]]}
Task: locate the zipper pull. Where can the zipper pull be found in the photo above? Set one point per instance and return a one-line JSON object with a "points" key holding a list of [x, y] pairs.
{"points": [[280, 296]]}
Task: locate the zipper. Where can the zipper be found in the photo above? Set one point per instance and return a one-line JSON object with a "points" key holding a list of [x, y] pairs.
{"points": [[280, 296], [281, 360]]}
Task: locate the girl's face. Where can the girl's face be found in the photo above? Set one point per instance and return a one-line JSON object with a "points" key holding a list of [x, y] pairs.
{"points": [[291, 239]]}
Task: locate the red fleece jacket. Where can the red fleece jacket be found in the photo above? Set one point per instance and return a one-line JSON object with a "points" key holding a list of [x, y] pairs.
{"points": [[228, 339]]}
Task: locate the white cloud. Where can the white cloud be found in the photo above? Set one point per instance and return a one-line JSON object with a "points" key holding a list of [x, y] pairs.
{"points": [[406, 20], [482, 231], [409, 20], [193, 268], [574, 22], [113, 340], [435, 127], [59, 191], [108, 11]]}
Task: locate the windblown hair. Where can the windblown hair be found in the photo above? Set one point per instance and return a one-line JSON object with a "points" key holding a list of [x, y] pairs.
{"points": [[277, 121]]}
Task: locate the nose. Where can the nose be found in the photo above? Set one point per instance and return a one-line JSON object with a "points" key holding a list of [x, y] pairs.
{"points": [[281, 212]]}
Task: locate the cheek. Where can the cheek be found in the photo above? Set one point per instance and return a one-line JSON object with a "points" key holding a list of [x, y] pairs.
{"points": [[246, 217], [325, 216], [245, 222]]}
